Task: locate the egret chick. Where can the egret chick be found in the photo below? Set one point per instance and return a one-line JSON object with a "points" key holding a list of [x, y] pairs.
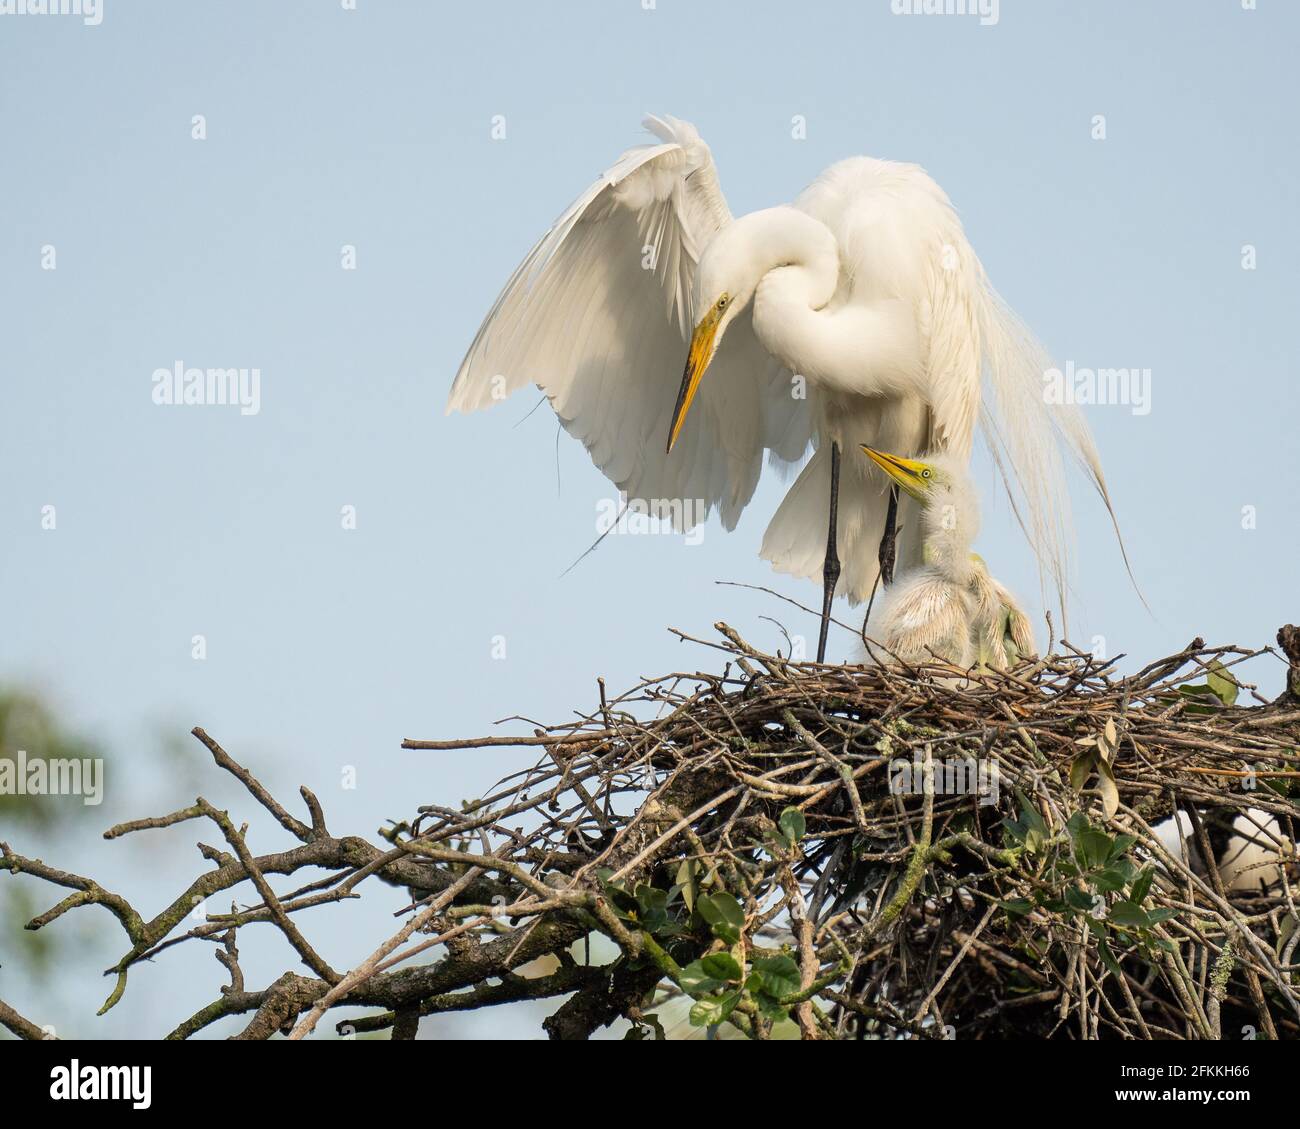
{"points": [[1002, 632], [931, 612], [949, 607]]}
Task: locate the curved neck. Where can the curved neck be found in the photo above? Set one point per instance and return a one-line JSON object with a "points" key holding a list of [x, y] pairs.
{"points": [[949, 528], [799, 265]]}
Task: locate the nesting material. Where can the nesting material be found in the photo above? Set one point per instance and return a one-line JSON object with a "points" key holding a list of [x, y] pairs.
{"points": [[940, 856]]}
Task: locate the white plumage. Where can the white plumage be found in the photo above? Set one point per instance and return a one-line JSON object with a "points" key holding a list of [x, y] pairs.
{"points": [[1253, 859], [926, 617], [866, 287], [948, 608], [1001, 633], [603, 336], [929, 613]]}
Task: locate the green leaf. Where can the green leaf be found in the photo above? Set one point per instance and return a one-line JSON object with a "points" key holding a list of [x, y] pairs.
{"points": [[722, 966], [769, 1007], [1126, 913], [1142, 885], [696, 981], [686, 880], [1029, 830], [1080, 899], [793, 825], [1221, 682], [625, 905], [1121, 846], [715, 908], [1031, 815], [652, 906], [1093, 848], [650, 897], [714, 1010], [1017, 907], [728, 933], [724, 914], [1203, 698], [1111, 880], [670, 929], [1155, 916], [780, 975], [1108, 958]]}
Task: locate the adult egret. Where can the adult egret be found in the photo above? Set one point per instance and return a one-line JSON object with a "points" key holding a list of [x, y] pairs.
{"points": [[948, 607], [858, 313]]}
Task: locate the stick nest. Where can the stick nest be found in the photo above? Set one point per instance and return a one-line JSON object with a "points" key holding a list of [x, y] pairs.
{"points": [[788, 848], [781, 857]]}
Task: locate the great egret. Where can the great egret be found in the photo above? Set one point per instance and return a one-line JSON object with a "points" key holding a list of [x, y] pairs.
{"points": [[948, 607], [929, 613], [1002, 632], [858, 313], [1251, 857]]}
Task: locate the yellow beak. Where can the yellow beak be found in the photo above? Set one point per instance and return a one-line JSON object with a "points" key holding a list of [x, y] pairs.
{"points": [[911, 475], [697, 360]]}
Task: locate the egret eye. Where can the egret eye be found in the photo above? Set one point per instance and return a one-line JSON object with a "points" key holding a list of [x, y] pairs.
{"points": [[722, 302], [925, 473]]}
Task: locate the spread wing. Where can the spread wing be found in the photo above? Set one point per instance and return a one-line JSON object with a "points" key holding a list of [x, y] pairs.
{"points": [[598, 315]]}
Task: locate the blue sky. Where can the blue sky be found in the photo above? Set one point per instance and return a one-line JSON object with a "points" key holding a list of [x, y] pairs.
{"points": [[372, 128]]}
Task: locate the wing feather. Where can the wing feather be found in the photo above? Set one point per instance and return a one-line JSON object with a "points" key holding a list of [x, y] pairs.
{"points": [[598, 314]]}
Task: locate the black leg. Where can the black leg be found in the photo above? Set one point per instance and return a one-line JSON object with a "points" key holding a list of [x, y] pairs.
{"points": [[831, 569], [888, 546]]}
